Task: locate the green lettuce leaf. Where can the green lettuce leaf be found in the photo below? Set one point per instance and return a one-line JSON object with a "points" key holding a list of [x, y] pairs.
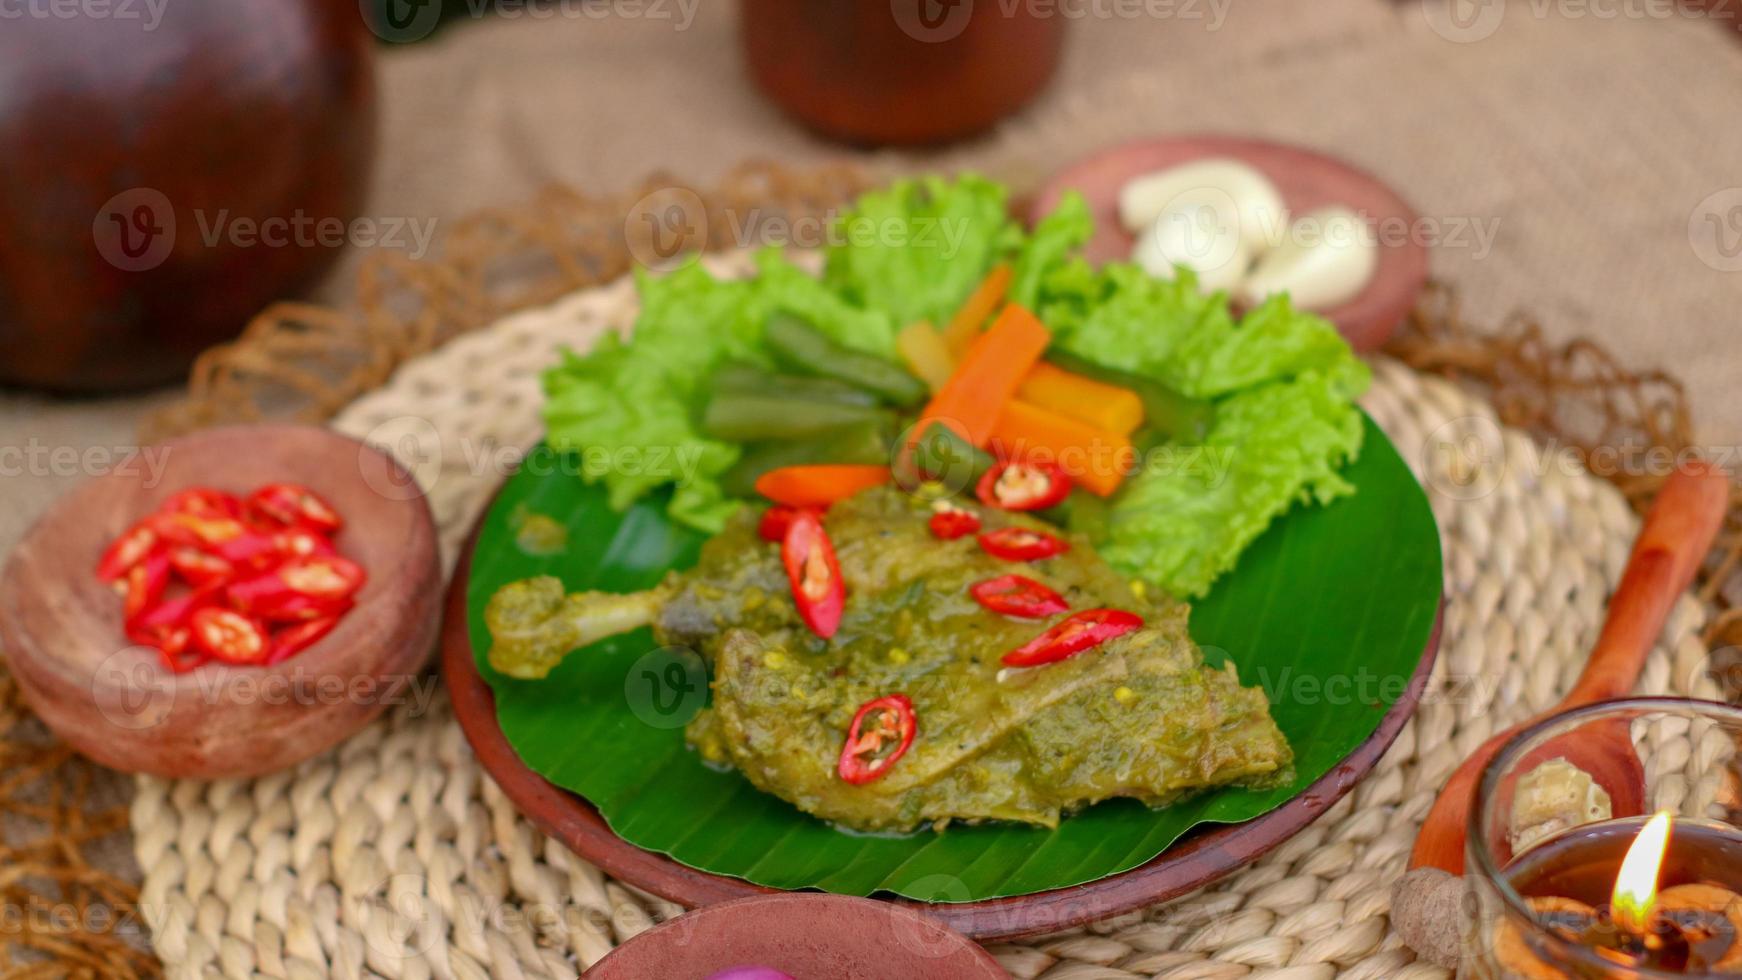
{"points": [[1283, 380], [916, 249], [1185, 517], [1056, 238], [629, 409]]}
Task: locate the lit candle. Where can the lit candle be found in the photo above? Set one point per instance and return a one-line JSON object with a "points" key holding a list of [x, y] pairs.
{"points": [[1693, 927]]}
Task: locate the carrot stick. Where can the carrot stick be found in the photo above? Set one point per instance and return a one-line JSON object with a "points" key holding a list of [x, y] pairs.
{"points": [[987, 376], [981, 303], [1094, 459], [820, 485], [1101, 405], [1677, 534]]}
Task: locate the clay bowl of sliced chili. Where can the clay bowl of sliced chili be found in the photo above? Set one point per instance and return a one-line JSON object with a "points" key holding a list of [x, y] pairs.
{"points": [[272, 701]]}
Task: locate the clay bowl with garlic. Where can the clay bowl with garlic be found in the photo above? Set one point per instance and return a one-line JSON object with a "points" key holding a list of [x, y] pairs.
{"points": [[1306, 180], [116, 701]]}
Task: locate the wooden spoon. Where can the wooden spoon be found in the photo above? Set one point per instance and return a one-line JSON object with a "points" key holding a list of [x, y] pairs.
{"points": [[113, 701]]}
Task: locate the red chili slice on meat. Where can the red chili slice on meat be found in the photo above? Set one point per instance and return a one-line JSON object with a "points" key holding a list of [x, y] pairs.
{"points": [[776, 520], [1018, 596], [815, 574], [294, 505], [949, 522], [1018, 485], [1086, 629], [1022, 544], [230, 636], [880, 735], [127, 551]]}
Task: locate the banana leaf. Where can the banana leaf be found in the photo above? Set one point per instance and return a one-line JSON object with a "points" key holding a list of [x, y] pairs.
{"points": [[1330, 611]]}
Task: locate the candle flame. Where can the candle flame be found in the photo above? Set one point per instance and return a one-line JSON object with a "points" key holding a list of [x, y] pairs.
{"points": [[1636, 884]]}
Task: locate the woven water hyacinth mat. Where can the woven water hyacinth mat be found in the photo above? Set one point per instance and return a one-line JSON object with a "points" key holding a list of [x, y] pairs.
{"points": [[395, 855]]}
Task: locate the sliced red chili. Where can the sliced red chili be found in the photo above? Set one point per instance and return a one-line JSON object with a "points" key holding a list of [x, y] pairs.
{"points": [[815, 574], [175, 653], [1018, 596], [1086, 629], [230, 636], [1019, 485], [203, 502], [1022, 544], [197, 567], [294, 505], [880, 735], [292, 640], [145, 585], [323, 580], [204, 532], [127, 551], [298, 542], [949, 522], [775, 522]]}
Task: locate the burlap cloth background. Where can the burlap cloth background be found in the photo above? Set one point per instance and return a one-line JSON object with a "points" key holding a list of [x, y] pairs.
{"points": [[1594, 141]]}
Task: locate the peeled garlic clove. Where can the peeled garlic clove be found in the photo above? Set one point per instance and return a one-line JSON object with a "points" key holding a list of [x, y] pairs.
{"points": [[1257, 202], [1201, 232], [1328, 257]]}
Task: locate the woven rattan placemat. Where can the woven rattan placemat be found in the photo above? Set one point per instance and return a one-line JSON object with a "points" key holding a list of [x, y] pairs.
{"points": [[395, 855]]}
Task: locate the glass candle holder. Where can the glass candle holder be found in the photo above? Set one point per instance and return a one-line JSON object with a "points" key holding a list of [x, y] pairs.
{"points": [[1604, 842]]}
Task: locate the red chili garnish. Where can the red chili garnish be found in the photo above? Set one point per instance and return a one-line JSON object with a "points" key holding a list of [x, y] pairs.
{"points": [[880, 735], [775, 522], [815, 574], [203, 502], [291, 640], [1022, 544], [1018, 596], [294, 505], [1018, 485], [127, 551], [230, 636], [197, 567], [1086, 629], [145, 585], [949, 522]]}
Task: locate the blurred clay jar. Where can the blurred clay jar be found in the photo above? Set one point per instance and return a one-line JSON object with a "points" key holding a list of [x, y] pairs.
{"points": [[170, 169], [900, 72]]}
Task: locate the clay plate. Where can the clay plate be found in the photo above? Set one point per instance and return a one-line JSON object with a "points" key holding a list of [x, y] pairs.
{"points": [[1198, 859], [808, 937], [1306, 179], [114, 702]]}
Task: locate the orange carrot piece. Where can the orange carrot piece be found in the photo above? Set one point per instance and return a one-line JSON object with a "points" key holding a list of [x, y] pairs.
{"points": [[1102, 405], [820, 485], [1677, 534], [1095, 459], [981, 303], [987, 376]]}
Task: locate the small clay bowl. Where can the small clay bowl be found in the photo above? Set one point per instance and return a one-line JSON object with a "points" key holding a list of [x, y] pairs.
{"points": [[116, 702], [1306, 179], [805, 935]]}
